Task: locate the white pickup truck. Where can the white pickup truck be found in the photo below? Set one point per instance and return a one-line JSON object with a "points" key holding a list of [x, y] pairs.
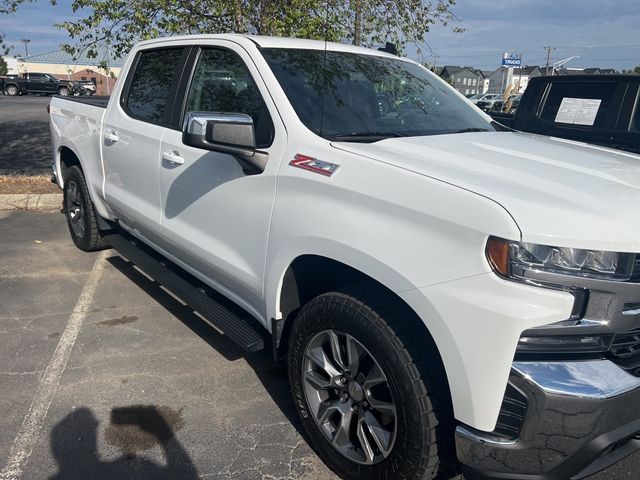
{"points": [[447, 292]]}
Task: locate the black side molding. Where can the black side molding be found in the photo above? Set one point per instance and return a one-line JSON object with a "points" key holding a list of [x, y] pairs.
{"points": [[221, 313]]}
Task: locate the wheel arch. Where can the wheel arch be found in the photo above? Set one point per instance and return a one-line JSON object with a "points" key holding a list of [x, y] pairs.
{"points": [[67, 158], [309, 275], [12, 84]]}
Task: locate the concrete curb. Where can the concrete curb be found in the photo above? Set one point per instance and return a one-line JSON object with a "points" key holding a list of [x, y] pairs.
{"points": [[31, 201]]}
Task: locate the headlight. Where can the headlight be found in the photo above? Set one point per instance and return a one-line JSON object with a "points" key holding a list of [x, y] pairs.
{"points": [[510, 259]]}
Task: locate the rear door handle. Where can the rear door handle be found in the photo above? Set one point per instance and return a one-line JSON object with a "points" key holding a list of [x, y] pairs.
{"points": [[111, 136], [172, 158]]}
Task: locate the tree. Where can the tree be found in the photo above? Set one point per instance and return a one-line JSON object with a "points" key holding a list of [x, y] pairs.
{"points": [[635, 70], [117, 24], [4, 68]]}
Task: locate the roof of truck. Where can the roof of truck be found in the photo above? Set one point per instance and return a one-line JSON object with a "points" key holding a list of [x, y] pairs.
{"points": [[272, 42]]}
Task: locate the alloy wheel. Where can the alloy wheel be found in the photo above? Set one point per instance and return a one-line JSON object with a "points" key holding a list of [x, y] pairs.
{"points": [[349, 397], [75, 209]]}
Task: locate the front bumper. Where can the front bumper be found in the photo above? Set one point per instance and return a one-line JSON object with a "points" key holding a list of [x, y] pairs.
{"points": [[581, 417]]}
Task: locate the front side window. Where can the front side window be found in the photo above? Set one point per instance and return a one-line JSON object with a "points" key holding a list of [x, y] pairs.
{"points": [[358, 97], [222, 83], [148, 92]]}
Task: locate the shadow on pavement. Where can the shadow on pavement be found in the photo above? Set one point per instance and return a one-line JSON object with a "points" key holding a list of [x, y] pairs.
{"points": [[272, 375], [25, 147], [132, 429]]}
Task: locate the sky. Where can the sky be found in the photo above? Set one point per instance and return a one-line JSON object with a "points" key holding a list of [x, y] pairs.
{"points": [[603, 33]]}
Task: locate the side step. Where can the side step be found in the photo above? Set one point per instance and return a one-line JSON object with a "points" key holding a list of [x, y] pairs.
{"points": [[222, 313]]}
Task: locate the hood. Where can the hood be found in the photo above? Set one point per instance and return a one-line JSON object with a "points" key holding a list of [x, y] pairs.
{"points": [[559, 192]]}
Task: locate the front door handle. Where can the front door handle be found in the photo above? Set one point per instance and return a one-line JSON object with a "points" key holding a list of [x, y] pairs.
{"points": [[172, 158], [111, 136]]}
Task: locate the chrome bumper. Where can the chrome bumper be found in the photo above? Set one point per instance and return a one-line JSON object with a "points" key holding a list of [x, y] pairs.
{"points": [[584, 379], [582, 416]]}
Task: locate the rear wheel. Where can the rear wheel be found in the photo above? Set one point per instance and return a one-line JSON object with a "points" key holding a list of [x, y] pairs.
{"points": [[369, 388], [12, 90], [63, 91], [81, 216]]}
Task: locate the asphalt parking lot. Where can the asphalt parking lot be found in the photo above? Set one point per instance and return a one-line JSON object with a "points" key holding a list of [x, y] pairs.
{"points": [[24, 135], [104, 375]]}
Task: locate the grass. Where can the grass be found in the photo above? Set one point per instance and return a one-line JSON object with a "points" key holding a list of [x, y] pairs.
{"points": [[27, 184]]}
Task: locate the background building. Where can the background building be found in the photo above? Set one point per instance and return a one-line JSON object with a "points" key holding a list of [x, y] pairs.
{"points": [[498, 80], [467, 80]]}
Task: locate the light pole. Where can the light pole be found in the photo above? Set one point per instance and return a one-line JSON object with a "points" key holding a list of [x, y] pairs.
{"points": [[26, 42]]}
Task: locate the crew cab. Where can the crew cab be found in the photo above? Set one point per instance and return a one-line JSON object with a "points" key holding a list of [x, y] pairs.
{"points": [[445, 291], [599, 109], [34, 82]]}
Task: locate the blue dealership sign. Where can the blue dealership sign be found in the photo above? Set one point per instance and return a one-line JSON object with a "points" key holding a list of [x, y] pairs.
{"points": [[513, 60]]}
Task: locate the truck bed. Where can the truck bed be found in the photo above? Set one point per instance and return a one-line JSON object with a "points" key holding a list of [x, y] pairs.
{"points": [[95, 100]]}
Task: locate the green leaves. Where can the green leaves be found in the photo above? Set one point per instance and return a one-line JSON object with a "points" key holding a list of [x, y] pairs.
{"points": [[117, 24]]}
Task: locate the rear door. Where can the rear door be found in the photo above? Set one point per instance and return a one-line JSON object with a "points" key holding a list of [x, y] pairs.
{"points": [[215, 214], [35, 82], [131, 134]]}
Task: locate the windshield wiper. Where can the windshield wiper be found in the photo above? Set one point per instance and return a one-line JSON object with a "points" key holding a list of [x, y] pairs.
{"points": [[367, 136], [472, 129]]}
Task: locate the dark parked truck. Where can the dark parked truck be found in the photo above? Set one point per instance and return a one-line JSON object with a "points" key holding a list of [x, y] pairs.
{"points": [[599, 109], [33, 82]]}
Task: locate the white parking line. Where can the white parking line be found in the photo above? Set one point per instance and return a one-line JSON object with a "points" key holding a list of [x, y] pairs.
{"points": [[33, 421]]}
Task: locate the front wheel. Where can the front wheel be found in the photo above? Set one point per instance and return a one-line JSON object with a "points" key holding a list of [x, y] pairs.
{"points": [[12, 90], [374, 403], [81, 216]]}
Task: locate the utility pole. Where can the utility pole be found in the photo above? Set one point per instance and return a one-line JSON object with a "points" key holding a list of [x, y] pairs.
{"points": [[548, 49], [26, 46], [434, 65]]}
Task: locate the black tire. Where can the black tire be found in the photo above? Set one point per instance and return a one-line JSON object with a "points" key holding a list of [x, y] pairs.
{"points": [[424, 439], [63, 91], [81, 216], [12, 90]]}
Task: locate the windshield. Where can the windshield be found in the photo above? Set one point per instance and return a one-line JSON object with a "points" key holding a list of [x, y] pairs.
{"points": [[355, 97]]}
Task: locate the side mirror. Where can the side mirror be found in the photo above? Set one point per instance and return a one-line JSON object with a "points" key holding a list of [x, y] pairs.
{"points": [[230, 133]]}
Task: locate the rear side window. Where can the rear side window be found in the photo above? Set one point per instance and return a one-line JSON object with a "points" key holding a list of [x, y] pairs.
{"points": [[148, 92], [583, 104]]}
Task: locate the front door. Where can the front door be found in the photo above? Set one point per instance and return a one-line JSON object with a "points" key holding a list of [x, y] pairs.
{"points": [[131, 134], [214, 214]]}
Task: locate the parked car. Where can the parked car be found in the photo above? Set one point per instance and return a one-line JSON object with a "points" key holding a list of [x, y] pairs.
{"points": [[511, 105], [84, 87], [34, 82], [436, 282], [599, 109], [487, 101]]}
